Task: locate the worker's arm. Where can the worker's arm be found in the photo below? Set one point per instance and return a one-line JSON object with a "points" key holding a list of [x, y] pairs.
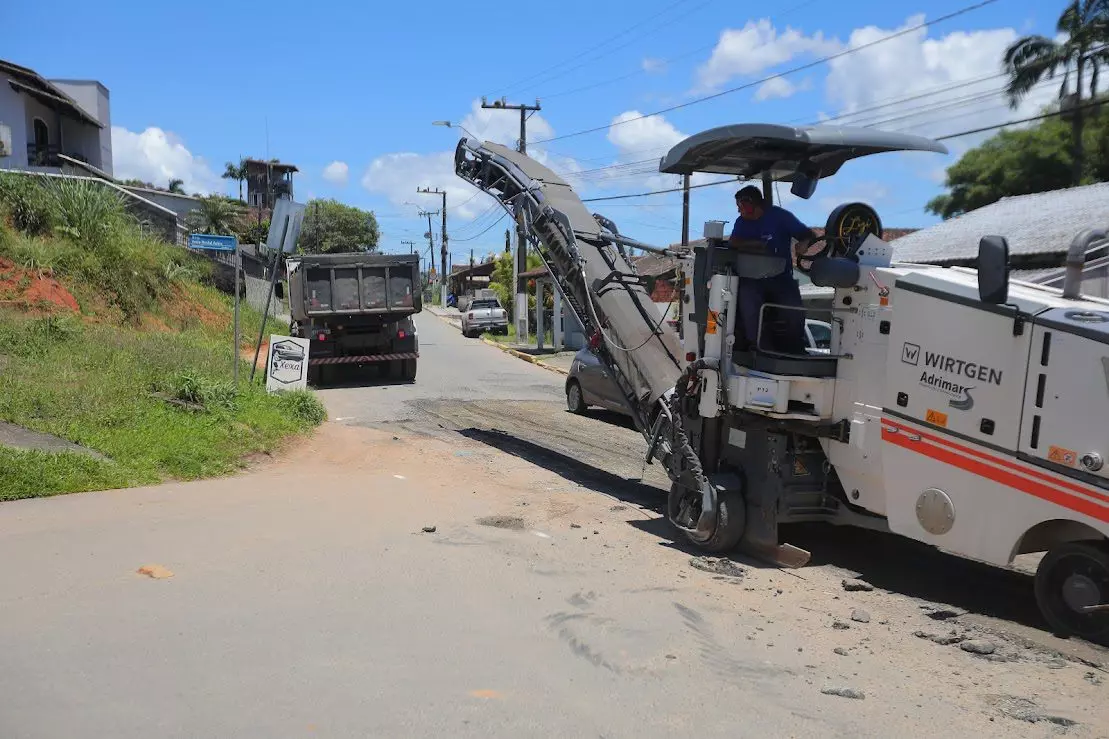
{"points": [[803, 235], [735, 241]]}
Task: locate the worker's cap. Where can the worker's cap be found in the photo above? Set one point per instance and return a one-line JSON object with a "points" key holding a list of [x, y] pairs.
{"points": [[749, 194]]}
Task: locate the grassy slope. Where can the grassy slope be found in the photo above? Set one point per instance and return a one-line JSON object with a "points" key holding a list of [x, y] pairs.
{"points": [[92, 378]]}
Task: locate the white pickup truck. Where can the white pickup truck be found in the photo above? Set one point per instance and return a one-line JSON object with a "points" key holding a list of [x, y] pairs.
{"points": [[484, 314]]}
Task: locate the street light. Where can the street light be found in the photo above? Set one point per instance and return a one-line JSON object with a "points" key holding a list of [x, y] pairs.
{"points": [[448, 124]]}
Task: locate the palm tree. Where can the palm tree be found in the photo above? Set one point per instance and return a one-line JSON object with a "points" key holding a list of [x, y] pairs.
{"points": [[1084, 26], [235, 172], [215, 215], [176, 185]]}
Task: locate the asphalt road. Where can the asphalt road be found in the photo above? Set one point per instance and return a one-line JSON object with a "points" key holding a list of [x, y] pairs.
{"points": [[550, 600]]}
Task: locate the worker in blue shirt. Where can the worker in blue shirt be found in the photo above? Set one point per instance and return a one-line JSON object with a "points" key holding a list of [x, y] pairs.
{"points": [[778, 229]]}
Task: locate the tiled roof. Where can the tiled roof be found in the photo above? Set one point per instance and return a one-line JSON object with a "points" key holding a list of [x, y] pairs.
{"points": [[1038, 224]]}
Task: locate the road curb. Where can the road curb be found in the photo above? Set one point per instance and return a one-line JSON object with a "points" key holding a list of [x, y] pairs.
{"points": [[507, 349]]}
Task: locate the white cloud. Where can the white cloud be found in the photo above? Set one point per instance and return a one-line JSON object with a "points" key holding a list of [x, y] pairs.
{"points": [[780, 87], [336, 173], [632, 134], [654, 66], [755, 47], [158, 156], [913, 64]]}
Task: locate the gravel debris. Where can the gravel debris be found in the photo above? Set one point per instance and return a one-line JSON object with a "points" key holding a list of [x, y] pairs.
{"points": [[860, 616], [857, 586], [429, 529], [978, 646], [717, 565], [845, 693]]}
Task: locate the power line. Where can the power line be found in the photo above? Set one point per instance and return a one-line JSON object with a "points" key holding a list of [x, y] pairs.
{"points": [[794, 70], [511, 88], [1041, 117], [483, 231], [670, 60], [656, 192]]}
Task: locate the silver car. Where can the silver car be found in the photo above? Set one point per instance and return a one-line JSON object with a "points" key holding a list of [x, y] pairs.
{"points": [[591, 384]]}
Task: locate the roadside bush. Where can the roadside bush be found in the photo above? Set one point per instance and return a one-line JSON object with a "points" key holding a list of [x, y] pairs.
{"points": [[24, 200], [191, 387], [303, 406], [88, 213]]}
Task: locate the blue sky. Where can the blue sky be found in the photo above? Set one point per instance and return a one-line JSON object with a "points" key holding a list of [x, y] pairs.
{"points": [[348, 90]]}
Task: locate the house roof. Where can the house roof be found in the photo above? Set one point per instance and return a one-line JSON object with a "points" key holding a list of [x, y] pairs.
{"points": [[1038, 224], [30, 82], [274, 164]]}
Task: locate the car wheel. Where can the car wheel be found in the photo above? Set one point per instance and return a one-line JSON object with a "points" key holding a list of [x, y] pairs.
{"points": [[1070, 578], [575, 399]]}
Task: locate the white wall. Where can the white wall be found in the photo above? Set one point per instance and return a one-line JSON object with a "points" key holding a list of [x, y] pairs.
{"points": [[95, 99], [13, 116], [182, 205]]}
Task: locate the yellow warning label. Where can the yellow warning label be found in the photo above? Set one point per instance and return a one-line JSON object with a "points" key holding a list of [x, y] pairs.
{"points": [[1059, 455], [936, 418], [799, 469]]}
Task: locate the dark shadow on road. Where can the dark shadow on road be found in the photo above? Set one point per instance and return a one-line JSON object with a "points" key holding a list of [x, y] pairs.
{"points": [[611, 417], [586, 475], [911, 568], [340, 376]]}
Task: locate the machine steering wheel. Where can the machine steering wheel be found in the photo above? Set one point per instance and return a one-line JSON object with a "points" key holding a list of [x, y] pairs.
{"points": [[805, 261]]}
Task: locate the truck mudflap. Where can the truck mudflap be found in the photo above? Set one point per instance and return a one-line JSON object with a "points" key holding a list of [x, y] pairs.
{"points": [[362, 359]]}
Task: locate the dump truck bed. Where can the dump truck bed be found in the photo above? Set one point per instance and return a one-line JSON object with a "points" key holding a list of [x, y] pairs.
{"points": [[384, 286]]}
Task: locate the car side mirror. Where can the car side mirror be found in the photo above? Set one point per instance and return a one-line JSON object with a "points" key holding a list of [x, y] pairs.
{"points": [[279, 290], [993, 270]]}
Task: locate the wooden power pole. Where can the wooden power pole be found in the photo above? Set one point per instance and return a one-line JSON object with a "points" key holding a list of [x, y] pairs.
{"points": [[443, 245]]}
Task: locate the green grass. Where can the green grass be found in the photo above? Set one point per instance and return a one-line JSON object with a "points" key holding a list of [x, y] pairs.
{"points": [[96, 385], [33, 474], [510, 338]]}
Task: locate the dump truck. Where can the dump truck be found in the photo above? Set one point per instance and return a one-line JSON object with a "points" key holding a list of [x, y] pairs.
{"points": [[955, 407], [356, 308]]}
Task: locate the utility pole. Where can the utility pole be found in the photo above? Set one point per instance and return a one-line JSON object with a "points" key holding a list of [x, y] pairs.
{"points": [[685, 210], [411, 246], [443, 245], [520, 264], [430, 242]]}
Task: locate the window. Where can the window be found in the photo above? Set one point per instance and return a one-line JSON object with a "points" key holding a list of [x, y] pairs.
{"points": [[821, 334], [373, 288], [319, 289], [346, 289], [42, 133], [485, 304]]}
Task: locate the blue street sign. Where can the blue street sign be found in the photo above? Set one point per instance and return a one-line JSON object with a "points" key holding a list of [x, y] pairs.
{"points": [[213, 242]]}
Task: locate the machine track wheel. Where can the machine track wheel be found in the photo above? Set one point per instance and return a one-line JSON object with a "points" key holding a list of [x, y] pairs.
{"points": [[1070, 578], [731, 518]]}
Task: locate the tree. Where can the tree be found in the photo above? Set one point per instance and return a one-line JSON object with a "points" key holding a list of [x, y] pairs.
{"points": [[216, 215], [236, 172], [176, 185], [1084, 25], [1019, 162], [330, 226]]}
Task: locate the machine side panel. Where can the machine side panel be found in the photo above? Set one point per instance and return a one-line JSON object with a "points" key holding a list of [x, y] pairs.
{"points": [[970, 499], [1066, 405], [955, 365]]}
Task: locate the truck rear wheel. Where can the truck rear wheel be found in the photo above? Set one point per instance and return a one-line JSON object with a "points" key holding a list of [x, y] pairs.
{"points": [[1072, 577], [408, 370]]}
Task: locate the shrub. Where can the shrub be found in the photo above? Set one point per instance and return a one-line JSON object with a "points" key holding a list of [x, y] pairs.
{"points": [[191, 387], [303, 406], [26, 203]]}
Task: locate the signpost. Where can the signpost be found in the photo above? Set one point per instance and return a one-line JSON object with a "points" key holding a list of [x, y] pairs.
{"points": [[285, 226], [215, 242]]}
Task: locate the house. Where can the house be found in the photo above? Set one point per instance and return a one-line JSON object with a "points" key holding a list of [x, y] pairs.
{"points": [[1039, 228], [54, 126], [267, 181]]}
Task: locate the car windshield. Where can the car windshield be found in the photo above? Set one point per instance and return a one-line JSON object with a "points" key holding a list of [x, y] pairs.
{"points": [[485, 304]]}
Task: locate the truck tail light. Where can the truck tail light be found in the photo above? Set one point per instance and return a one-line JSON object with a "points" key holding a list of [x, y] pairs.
{"points": [[401, 334], [323, 337]]}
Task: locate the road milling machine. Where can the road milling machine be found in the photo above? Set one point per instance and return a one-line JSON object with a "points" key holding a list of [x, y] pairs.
{"points": [[956, 407]]}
